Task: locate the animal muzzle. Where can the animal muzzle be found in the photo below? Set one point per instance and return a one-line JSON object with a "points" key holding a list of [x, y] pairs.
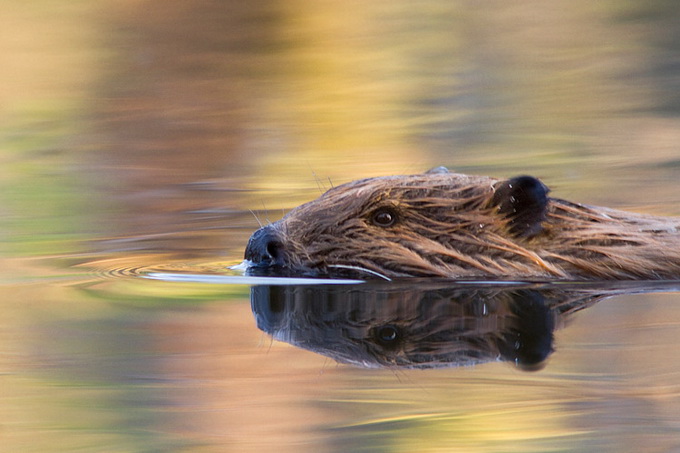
{"points": [[266, 249]]}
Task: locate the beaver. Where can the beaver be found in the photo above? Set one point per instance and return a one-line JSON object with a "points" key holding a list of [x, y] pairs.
{"points": [[455, 226]]}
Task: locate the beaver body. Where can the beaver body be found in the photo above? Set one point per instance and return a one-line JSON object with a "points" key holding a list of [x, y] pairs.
{"points": [[449, 225]]}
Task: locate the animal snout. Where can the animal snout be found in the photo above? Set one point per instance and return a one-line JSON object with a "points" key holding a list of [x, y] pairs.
{"points": [[266, 249]]}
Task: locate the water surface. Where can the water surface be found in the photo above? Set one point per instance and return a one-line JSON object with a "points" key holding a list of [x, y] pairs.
{"points": [[148, 138]]}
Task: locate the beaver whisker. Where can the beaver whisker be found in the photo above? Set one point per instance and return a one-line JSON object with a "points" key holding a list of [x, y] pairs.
{"points": [[257, 219], [360, 269]]}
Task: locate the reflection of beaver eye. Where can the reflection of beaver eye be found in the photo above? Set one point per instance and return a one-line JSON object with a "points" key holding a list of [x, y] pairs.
{"points": [[384, 217], [387, 335]]}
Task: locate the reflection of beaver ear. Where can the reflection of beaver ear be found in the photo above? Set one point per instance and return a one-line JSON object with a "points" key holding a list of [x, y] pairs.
{"points": [[524, 201], [528, 341]]}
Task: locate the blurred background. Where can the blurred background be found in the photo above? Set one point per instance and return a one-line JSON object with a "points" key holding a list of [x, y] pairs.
{"points": [[141, 132], [119, 118]]}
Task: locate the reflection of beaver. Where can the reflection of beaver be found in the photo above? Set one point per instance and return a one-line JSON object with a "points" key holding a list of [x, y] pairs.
{"points": [[442, 224], [422, 327]]}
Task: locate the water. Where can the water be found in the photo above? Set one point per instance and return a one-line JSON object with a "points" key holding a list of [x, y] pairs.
{"points": [[147, 139]]}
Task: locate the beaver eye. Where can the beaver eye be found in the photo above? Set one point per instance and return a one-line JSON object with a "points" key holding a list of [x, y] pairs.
{"points": [[384, 217]]}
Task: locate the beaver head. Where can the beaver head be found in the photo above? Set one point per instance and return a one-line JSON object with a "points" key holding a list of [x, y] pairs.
{"points": [[443, 224]]}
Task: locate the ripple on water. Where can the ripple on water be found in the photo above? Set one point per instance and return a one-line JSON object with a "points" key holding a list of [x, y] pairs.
{"points": [[167, 269]]}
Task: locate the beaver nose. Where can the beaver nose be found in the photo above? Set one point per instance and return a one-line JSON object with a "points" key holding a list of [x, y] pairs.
{"points": [[265, 248]]}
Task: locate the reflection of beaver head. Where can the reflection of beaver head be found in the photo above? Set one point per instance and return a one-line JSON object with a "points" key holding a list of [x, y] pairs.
{"points": [[431, 324], [409, 327], [442, 224]]}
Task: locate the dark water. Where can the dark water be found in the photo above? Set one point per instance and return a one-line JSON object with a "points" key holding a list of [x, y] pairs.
{"points": [[148, 138]]}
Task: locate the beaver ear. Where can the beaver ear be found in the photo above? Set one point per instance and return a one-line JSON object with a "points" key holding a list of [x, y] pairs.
{"points": [[524, 201]]}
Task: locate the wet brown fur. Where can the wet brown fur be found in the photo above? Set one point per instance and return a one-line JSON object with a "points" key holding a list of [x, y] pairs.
{"points": [[448, 226]]}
